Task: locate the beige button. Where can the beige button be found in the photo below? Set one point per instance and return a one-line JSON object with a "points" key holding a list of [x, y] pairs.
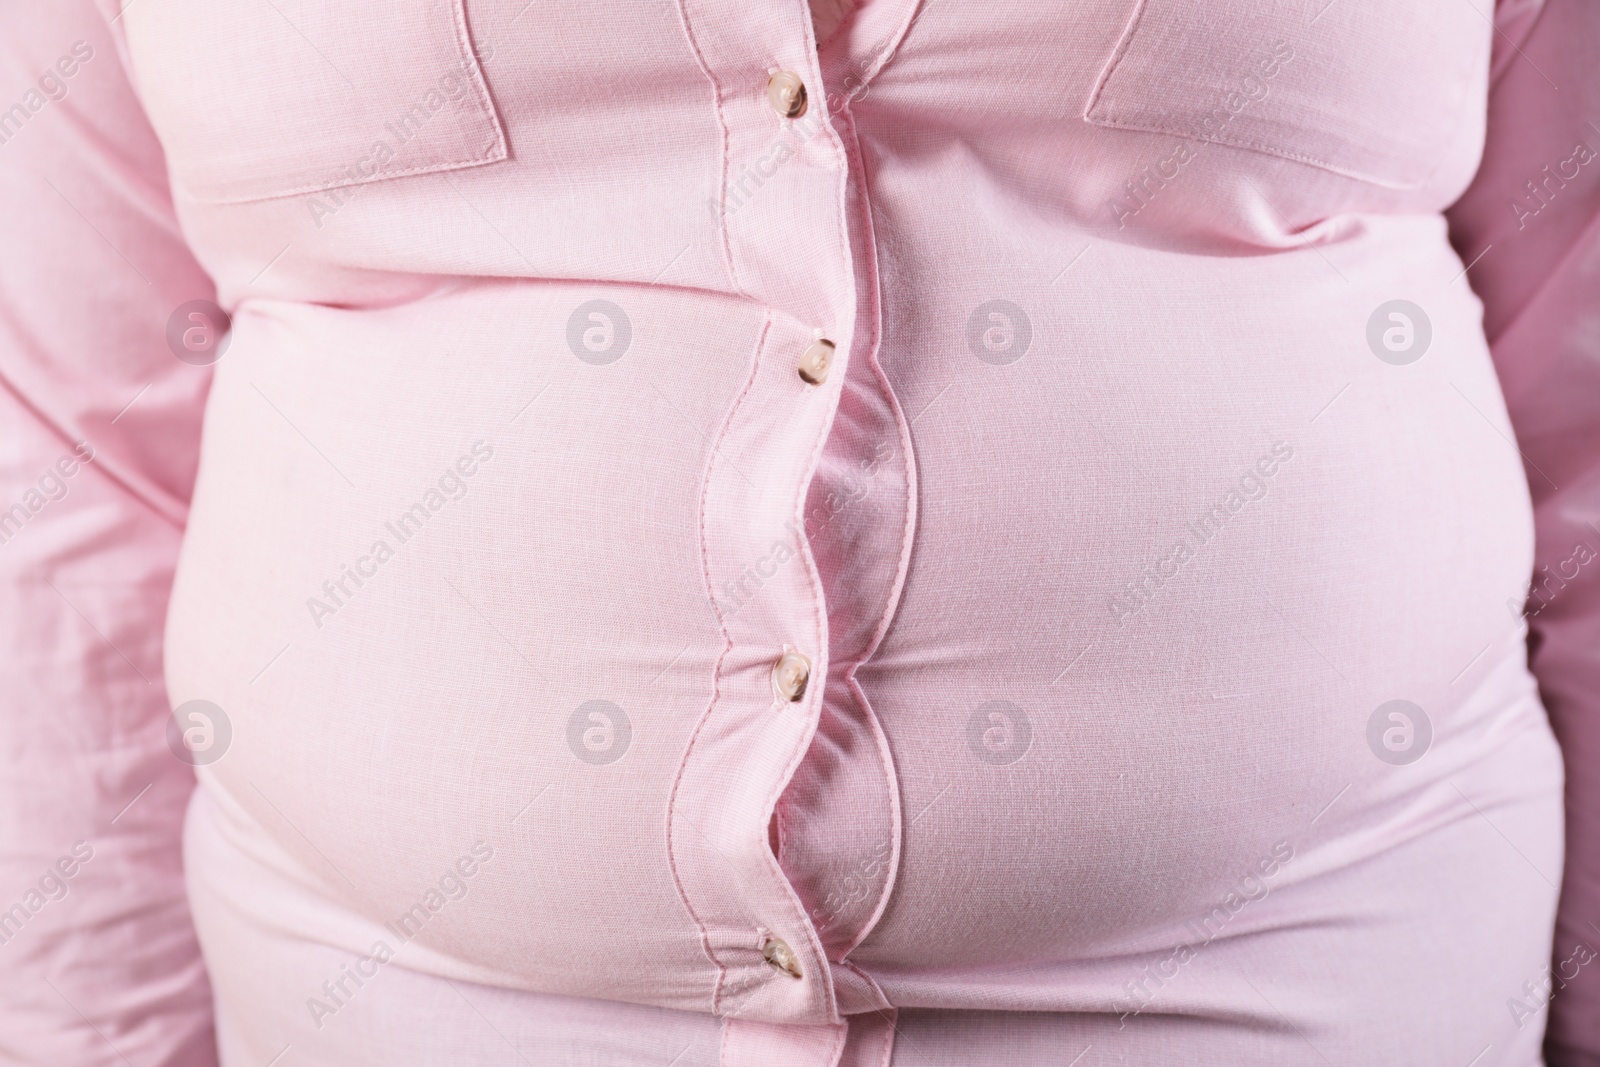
{"points": [[815, 361], [790, 675], [787, 94], [781, 957]]}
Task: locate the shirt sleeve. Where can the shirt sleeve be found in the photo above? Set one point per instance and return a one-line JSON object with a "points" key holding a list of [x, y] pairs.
{"points": [[99, 435], [1529, 227]]}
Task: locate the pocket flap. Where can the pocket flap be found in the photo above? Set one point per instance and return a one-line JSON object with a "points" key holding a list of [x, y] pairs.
{"points": [[285, 97], [1370, 90]]}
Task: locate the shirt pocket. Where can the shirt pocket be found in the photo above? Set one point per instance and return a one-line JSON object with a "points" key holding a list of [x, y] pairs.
{"points": [[1369, 89], [287, 97]]}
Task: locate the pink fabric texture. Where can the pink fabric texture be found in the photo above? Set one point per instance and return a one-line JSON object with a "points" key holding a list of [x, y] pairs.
{"points": [[408, 486]]}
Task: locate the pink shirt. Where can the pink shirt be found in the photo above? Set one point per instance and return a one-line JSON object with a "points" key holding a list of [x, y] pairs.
{"points": [[932, 533]]}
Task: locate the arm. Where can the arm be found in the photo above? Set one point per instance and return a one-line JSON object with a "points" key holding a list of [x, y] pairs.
{"points": [[1535, 207], [99, 433]]}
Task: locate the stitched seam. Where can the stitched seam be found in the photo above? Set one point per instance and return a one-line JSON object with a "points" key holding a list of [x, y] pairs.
{"points": [[672, 803], [851, 16], [896, 812], [1110, 120], [716, 674], [840, 1035], [819, 595], [819, 608], [876, 989], [489, 156], [902, 564], [892, 1015], [820, 618], [497, 141], [724, 151], [887, 54], [1263, 148], [1117, 54], [493, 152]]}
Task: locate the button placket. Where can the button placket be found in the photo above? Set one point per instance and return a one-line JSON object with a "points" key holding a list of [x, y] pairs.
{"points": [[787, 250], [767, 695]]}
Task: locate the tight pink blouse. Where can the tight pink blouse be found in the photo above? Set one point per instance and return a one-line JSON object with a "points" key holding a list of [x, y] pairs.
{"points": [[718, 534]]}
